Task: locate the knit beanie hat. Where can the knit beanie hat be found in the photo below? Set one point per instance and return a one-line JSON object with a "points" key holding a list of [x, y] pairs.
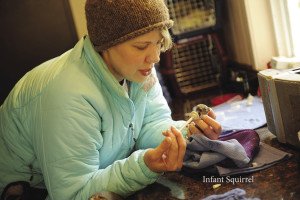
{"points": [[110, 22]]}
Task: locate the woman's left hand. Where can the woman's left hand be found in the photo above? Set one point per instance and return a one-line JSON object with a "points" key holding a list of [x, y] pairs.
{"points": [[206, 125], [168, 156]]}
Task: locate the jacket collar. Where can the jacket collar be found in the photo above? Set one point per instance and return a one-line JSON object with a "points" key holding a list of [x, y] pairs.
{"points": [[84, 48], [100, 68]]}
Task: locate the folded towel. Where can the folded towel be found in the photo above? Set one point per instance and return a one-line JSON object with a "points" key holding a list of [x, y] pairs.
{"points": [[236, 152], [234, 194], [238, 147], [202, 152], [266, 157]]}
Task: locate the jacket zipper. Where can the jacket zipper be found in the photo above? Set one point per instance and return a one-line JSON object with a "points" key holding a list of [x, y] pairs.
{"points": [[132, 133]]}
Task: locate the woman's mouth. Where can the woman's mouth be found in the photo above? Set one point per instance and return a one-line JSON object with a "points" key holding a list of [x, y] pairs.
{"points": [[145, 72]]}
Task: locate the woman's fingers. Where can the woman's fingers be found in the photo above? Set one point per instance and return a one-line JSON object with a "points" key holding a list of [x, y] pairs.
{"points": [[181, 146], [172, 155], [168, 156], [211, 113], [163, 147], [155, 159], [210, 127], [193, 129], [206, 129], [177, 149], [213, 123]]}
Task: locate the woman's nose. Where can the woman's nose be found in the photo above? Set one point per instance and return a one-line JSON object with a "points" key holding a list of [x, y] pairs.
{"points": [[153, 56]]}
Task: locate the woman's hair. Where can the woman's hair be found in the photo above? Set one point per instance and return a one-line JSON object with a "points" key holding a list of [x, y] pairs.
{"points": [[167, 39], [111, 22]]}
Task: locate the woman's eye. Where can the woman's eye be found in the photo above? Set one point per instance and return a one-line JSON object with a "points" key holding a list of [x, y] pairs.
{"points": [[141, 47]]}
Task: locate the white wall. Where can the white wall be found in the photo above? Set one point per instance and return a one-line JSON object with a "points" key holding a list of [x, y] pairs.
{"points": [[249, 33], [77, 7]]}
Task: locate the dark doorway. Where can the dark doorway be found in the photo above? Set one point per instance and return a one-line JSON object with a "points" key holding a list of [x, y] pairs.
{"points": [[32, 31]]}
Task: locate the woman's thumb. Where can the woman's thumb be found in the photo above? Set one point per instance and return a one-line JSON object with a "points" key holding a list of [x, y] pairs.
{"points": [[164, 146]]}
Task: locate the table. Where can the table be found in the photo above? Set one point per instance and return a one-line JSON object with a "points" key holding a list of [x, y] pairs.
{"points": [[279, 182]]}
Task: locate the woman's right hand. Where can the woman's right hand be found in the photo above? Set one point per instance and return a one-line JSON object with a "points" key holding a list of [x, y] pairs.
{"points": [[168, 156], [206, 125]]}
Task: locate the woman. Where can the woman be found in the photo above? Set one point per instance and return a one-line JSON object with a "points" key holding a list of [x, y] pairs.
{"points": [[92, 119]]}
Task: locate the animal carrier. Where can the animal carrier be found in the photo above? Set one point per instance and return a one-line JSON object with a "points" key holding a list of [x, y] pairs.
{"points": [[194, 16], [193, 64]]}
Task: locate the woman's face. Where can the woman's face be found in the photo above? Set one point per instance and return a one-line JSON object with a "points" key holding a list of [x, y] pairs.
{"points": [[134, 59]]}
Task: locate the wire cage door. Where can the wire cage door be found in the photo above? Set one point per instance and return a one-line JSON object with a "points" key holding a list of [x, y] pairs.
{"points": [[194, 16], [192, 65]]}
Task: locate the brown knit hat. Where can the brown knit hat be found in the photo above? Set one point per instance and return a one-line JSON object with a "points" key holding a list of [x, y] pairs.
{"points": [[110, 22]]}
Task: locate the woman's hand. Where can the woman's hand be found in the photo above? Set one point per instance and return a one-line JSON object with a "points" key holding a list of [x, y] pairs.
{"points": [[206, 125], [168, 156]]}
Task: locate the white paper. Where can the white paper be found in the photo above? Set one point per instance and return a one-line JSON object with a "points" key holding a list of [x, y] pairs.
{"points": [[241, 114]]}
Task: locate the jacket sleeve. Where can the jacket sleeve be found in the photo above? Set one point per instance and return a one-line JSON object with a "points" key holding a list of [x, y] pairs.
{"points": [[67, 142], [157, 118]]}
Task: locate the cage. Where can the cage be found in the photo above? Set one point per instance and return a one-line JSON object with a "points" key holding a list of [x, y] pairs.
{"points": [[193, 64], [193, 15]]}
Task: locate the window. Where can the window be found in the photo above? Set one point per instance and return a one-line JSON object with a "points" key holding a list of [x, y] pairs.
{"points": [[293, 10], [285, 14]]}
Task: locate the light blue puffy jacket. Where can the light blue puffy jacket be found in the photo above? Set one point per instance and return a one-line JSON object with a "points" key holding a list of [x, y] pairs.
{"points": [[70, 126]]}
